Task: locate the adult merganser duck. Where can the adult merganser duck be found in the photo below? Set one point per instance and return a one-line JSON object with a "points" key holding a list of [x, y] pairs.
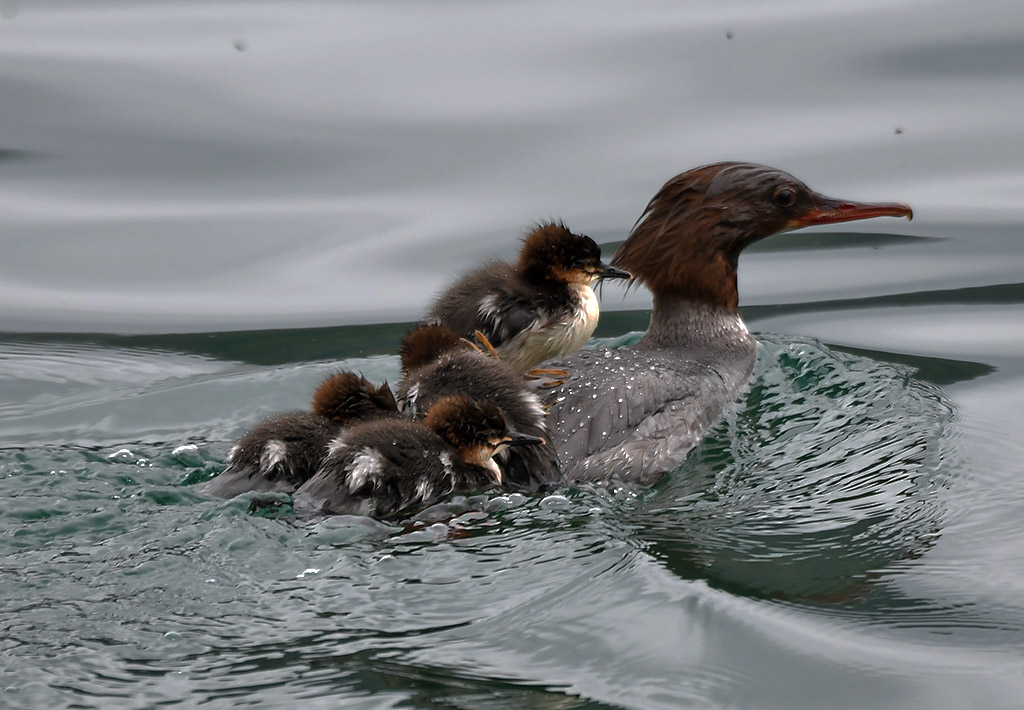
{"points": [[392, 467], [281, 453], [437, 362], [540, 308], [634, 413]]}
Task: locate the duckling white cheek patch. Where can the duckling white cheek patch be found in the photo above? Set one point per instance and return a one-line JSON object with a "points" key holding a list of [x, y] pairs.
{"points": [[493, 466]]}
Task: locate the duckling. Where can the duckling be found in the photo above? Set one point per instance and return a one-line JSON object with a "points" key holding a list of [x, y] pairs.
{"points": [[437, 362], [392, 467], [282, 452], [540, 308]]}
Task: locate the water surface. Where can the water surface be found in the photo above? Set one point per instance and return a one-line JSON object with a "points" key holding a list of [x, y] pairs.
{"points": [[209, 206]]}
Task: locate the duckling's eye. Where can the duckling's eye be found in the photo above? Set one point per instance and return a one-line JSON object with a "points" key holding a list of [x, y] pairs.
{"points": [[785, 196]]}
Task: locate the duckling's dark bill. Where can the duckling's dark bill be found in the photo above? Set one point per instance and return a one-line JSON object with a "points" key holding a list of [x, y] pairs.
{"points": [[606, 271], [514, 438]]}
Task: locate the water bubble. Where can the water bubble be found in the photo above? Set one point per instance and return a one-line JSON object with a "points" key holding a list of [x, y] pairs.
{"points": [[515, 500], [438, 530], [555, 502]]}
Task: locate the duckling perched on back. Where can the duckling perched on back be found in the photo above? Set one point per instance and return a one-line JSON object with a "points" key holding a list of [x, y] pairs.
{"points": [[391, 467], [282, 452], [436, 362], [540, 308]]}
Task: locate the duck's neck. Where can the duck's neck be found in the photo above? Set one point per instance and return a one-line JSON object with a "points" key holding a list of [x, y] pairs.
{"points": [[678, 323]]}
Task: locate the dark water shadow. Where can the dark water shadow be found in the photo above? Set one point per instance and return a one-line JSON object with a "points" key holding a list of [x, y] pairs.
{"points": [[316, 667], [290, 345], [995, 294], [936, 370], [817, 241], [10, 155]]}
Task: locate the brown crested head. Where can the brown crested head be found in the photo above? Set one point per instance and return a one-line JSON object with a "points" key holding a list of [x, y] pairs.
{"points": [[426, 343], [346, 397], [551, 253], [465, 422], [686, 244]]}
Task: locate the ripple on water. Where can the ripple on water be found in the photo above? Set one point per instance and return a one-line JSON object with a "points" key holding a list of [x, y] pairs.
{"points": [[827, 480], [828, 474], [97, 396]]}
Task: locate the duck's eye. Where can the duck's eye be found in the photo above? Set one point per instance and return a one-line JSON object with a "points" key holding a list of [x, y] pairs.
{"points": [[785, 196]]}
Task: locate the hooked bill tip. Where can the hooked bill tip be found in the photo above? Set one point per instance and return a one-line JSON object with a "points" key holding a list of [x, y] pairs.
{"points": [[831, 211]]}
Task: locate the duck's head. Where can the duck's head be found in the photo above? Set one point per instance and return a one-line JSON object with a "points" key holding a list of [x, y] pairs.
{"points": [[686, 244], [346, 397], [477, 430], [551, 253]]}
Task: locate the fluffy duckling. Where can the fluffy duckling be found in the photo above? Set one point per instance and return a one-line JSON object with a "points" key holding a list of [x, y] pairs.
{"points": [[282, 452], [392, 467], [540, 308], [436, 362]]}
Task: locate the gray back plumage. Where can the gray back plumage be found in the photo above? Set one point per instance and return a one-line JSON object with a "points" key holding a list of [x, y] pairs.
{"points": [[633, 414]]}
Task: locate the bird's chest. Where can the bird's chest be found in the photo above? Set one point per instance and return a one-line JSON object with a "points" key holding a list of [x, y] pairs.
{"points": [[556, 333]]}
